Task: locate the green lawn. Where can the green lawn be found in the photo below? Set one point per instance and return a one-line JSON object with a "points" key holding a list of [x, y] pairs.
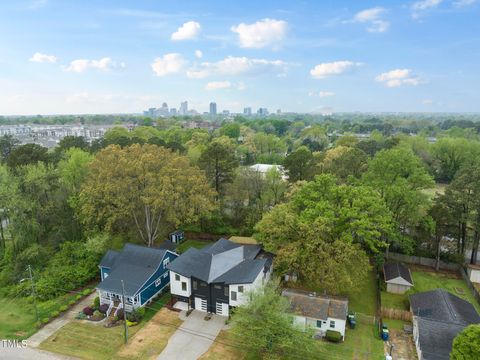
{"points": [[94, 341], [360, 343], [192, 243], [363, 300], [425, 281], [17, 319], [396, 324]]}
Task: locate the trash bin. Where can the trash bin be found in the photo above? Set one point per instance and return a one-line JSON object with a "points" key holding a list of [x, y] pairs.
{"points": [[351, 320], [384, 333]]}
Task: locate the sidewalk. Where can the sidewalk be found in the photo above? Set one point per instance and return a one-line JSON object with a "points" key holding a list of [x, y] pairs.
{"points": [[51, 328]]}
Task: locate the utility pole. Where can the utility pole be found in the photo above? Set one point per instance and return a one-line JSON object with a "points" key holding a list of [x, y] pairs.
{"points": [[34, 293], [124, 313]]}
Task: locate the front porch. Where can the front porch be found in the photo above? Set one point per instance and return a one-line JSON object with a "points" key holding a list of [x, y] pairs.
{"points": [[114, 301]]}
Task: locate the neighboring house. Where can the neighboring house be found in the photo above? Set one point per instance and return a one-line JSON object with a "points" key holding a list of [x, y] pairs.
{"points": [[321, 313], [264, 168], [217, 277], [438, 316], [397, 277], [143, 271], [474, 273]]}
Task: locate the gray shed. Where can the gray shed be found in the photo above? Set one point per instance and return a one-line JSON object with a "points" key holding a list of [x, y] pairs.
{"points": [[397, 277]]}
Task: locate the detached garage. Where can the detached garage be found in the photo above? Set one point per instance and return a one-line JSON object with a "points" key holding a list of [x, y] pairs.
{"points": [[474, 273], [397, 277]]}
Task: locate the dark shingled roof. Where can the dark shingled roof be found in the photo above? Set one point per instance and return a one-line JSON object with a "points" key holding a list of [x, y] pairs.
{"points": [[168, 245], [440, 305], [436, 338], [314, 306], [134, 265], [394, 270], [108, 259], [440, 316], [223, 261]]}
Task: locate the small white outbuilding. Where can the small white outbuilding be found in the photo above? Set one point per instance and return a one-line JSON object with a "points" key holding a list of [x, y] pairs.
{"points": [[397, 277]]}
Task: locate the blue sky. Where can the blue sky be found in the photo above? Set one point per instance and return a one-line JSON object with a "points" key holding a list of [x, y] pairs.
{"points": [[59, 56]]}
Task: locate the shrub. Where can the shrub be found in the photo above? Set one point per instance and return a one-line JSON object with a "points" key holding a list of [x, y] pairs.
{"points": [[96, 302], [54, 314], [81, 316], [63, 308], [120, 314], [131, 323], [71, 302], [103, 308], [88, 311], [45, 320], [97, 313], [136, 315], [78, 297], [86, 292], [333, 336]]}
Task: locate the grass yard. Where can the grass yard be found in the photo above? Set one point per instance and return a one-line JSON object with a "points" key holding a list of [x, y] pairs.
{"points": [[360, 344], [220, 350], [187, 244], [425, 281], [396, 324], [363, 300], [93, 341], [17, 319], [243, 240]]}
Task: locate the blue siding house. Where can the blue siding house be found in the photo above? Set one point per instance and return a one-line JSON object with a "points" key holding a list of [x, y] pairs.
{"points": [[142, 270]]}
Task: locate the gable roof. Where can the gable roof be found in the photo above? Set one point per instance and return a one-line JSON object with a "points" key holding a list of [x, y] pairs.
{"points": [[223, 261], [108, 259], [436, 338], [134, 265], [168, 245], [395, 272], [315, 306], [441, 305]]}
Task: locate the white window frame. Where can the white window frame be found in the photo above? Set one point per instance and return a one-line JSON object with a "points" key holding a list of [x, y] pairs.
{"points": [[165, 275], [166, 262], [332, 324], [158, 282], [177, 277], [233, 294]]}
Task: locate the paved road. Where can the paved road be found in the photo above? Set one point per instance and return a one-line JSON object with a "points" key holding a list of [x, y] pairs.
{"points": [[28, 354], [51, 328], [193, 338]]}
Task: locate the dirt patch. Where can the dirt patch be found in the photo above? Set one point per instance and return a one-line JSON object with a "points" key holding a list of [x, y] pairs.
{"points": [[149, 341], [404, 348]]}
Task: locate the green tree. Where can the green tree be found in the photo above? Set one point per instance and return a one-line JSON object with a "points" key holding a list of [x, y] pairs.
{"points": [[219, 162], [7, 144], [399, 177], [264, 329], [27, 154], [299, 164], [466, 345], [145, 187], [232, 130], [343, 162]]}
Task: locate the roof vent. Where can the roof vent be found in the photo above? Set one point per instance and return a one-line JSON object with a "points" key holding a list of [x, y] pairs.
{"points": [[312, 294]]}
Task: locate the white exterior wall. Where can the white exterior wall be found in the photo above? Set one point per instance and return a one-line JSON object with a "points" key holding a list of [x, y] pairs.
{"points": [[416, 338], [474, 275], [242, 298], [305, 322], [176, 285], [397, 288]]}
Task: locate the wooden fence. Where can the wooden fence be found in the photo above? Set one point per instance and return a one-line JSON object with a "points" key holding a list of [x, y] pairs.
{"points": [[396, 314], [418, 260]]}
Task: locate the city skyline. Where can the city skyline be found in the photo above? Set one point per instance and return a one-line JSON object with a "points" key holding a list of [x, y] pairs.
{"points": [[124, 57]]}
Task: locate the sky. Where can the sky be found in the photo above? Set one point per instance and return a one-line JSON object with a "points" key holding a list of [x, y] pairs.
{"points": [[79, 57]]}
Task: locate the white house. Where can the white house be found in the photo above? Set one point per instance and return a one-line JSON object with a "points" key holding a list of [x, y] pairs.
{"points": [[474, 273], [321, 313], [397, 277], [218, 277], [264, 168]]}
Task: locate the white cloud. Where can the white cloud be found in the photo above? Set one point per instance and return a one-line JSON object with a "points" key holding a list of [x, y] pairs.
{"points": [[188, 31], [168, 64], [372, 17], [427, 102], [398, 77], [463, 3], [323, 70], [37, 4], [262, 33], [326, 93], [41, 58], [215, 85], [423, 5], [103, 64], [237, 66], [219, 85], [198, 54]]}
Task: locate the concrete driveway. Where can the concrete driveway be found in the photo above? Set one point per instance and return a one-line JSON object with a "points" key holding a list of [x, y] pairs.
{"points": [[29, 354], [193, 338]]}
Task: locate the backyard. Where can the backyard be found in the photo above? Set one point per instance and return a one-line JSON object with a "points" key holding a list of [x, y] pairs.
{"points": [[424, 280], [187, 244], [94, 341]]}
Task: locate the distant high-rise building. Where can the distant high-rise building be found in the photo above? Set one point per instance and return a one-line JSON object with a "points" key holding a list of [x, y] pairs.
{"points": [[247, 111], [183, 108], [262, 111], [213, 108], [226, 112], [173, 111], [279, 111]]}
